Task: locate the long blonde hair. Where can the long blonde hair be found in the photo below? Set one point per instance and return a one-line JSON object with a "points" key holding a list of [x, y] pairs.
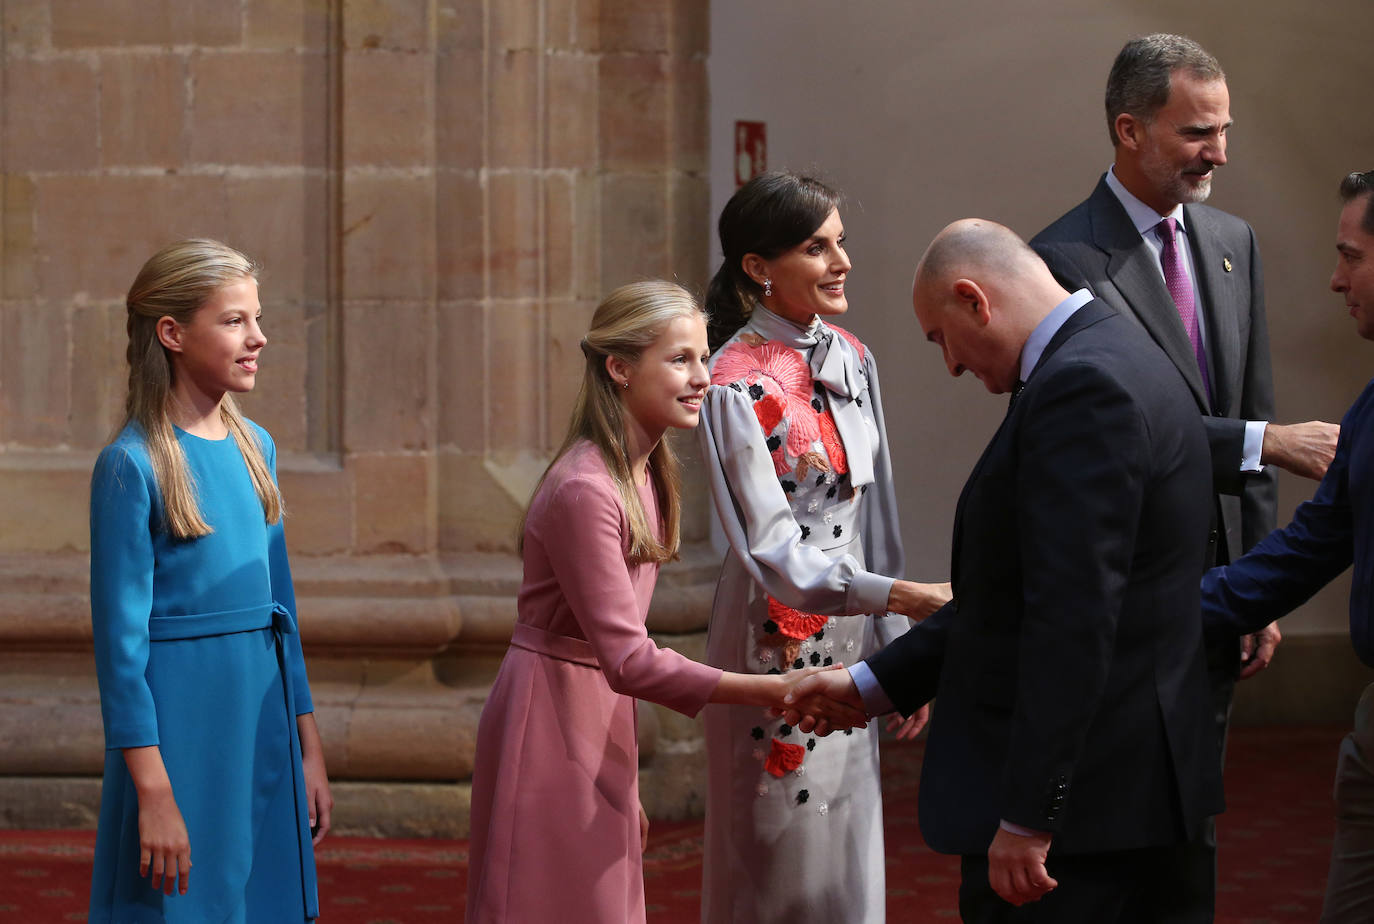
{"points": [[175, 283], [624, 325]]}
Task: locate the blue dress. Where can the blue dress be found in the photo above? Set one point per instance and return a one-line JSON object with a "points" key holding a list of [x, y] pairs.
{"points": [[196, 651]]}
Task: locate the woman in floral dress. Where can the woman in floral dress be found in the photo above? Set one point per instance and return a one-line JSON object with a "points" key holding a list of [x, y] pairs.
{"points": [[793, 440]]}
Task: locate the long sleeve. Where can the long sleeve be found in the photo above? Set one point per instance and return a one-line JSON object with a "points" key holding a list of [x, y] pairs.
{"points": [[1083, 461], [284, 592], [581, 531], [1291, 564], [879, 524], [758, 522], [122, 519]]}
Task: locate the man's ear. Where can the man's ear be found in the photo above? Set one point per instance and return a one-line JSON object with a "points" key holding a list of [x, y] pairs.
{"points": [[1130, 131], [970, 297], [755, 267], [169, 333]]}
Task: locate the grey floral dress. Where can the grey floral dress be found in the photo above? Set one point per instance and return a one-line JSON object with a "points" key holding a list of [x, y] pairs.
{"points": [[792, 436]]}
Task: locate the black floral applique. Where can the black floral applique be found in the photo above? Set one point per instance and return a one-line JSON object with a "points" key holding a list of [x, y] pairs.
{"points": [[838, 529]]}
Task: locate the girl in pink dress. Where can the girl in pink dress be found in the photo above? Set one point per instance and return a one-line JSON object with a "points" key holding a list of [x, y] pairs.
{"points": [[557, 828]]}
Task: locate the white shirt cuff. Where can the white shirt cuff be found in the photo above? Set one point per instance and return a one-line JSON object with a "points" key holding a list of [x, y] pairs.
{"points": [[1018, 829], [1253, 446], [870, 691]]}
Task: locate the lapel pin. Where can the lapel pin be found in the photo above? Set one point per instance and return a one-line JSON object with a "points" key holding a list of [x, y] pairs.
{"points": [[1226, 264]]}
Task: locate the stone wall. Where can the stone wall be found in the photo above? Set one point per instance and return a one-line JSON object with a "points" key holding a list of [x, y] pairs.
{"points": [[440, 191]]}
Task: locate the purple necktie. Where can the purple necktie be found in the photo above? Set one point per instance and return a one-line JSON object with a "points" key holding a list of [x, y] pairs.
{"points": [[1181, 288]]}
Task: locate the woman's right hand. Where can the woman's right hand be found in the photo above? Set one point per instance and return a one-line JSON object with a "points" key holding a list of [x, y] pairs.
{"points": [[164, 849], [917, 600]]}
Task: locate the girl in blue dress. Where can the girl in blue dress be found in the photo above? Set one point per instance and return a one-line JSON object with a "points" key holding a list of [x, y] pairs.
{"points": [[212, 752]]}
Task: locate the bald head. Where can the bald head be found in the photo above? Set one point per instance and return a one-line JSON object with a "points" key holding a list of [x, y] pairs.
{"points": [[979, 291]]}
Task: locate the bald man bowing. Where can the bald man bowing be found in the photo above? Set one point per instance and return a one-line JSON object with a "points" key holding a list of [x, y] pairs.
{"points": [[1071, 754]]}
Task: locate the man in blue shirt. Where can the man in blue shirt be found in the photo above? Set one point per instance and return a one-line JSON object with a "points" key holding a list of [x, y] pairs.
{"points": [[1328, 532]]}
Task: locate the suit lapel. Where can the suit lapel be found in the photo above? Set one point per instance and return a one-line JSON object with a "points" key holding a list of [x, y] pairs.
{"points": [[1210, 257], [1138, 286], [1089, 314]]}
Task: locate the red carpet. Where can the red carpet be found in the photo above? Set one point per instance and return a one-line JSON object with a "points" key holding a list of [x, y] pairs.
{"points": [[1275, 839]]}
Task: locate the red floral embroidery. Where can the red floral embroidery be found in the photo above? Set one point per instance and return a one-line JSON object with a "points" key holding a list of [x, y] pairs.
{"points": [[783, 757], [780, 466], [834, 448], [794, 623], [855, 342], [768, 409], [783, 375]]}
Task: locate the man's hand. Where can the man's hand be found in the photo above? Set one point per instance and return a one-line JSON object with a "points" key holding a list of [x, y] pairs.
{"points": [[1016, 866], [824, 701], [908, 728], [1304, 449], [1256, 651]]}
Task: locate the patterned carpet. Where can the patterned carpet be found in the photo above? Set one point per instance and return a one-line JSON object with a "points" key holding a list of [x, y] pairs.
{"points": [[1275, 839]]}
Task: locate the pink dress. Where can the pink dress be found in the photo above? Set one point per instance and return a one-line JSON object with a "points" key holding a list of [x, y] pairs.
{"points": [[555, 789]]}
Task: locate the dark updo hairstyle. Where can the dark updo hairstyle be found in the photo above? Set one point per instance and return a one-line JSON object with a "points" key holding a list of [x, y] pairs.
{"points": [[768, 215]]}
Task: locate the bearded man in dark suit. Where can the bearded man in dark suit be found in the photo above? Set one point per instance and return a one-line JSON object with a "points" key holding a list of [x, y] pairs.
{"points": [[1072, 755], [1190, 276]]}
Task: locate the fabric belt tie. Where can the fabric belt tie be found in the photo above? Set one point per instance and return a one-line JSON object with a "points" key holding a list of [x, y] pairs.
{"points": [[559, 647], [278, 618]]}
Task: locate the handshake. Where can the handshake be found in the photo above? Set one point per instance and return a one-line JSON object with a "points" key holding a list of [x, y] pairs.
{"points": [[820, 700]]}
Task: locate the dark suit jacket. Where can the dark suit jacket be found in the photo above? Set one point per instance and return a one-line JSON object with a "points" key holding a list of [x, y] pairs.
{"points": [[1071, 681], [1096, 246]]}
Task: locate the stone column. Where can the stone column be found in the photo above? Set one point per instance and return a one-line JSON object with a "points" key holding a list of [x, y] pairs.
{"points": [[440, 191]]}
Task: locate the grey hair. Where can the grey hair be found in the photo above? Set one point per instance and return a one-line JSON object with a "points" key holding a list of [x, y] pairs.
{"points": [[1355, 185], [1142, 73]]}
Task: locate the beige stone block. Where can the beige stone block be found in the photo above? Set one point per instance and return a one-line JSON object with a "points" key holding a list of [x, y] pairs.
{"points": [[635, 25], [690, 23], [561, 238], [634, 229], [572, 24], [460, 255], [514, 26], [476, 512], [571, 89], [40, 135], [259, 108], [566, 363], [300, 24], [633, 118], [26, 25], [32, 378], [408, 810], [323, 372], [513, 218], [17, 237], [51, 498], [387, 116], [393, 502], [142, 110], [464, 375], [691, 213], [395, 25], [283, 223], [139, 214], [145, 22], [37, 802], [388, 230], [514, 114], [689, 93], [460, 110], [319, 521], [99, 374], [460, 25], [388, 356], [515, 340]]}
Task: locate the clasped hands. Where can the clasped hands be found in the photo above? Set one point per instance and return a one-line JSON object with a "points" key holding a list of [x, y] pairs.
{"points": [[825, 699]]}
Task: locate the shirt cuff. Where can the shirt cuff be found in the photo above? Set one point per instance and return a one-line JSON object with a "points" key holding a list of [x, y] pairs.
{"points": [[1020, 830], [1253, 446], [870, 691], [868, 592]]}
